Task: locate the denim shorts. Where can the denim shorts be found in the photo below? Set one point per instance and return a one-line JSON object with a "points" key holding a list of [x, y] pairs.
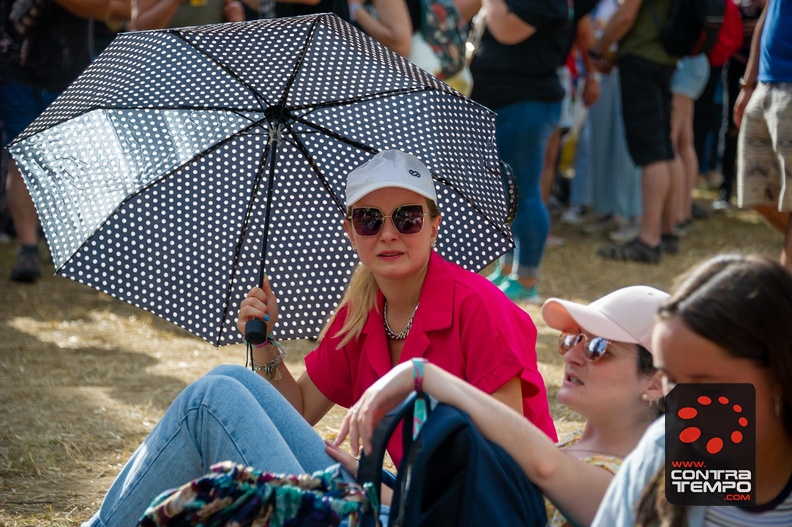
{"points": [[691, 76]]}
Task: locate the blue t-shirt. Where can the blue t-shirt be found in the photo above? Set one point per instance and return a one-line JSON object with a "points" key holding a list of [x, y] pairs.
{"points": [[775, 62]]}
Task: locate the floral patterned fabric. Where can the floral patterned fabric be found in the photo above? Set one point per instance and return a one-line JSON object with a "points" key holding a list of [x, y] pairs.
{"points": [[235, 495], [609, 463]]}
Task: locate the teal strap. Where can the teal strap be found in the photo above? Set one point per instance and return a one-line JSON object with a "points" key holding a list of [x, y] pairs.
{"points": [[419, 410]]}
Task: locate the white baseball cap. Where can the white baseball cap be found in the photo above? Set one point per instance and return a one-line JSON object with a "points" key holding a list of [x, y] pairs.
{"points": [[390, 168], [625, 315]]}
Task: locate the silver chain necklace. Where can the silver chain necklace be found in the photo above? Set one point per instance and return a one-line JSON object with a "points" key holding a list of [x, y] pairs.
{"points": [[401, 335]]}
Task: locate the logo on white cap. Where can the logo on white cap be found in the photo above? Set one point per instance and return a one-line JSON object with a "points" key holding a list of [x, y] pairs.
{"points": [[390, 168]]}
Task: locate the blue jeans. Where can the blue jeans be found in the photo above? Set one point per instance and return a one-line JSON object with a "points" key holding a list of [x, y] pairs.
{"points": [[229, 414], [523, 130]]}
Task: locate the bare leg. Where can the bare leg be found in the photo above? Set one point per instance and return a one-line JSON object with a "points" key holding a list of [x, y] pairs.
{"points": [[682, 137], [655, 193], [774, 217], [779, 220], [21, 206]]}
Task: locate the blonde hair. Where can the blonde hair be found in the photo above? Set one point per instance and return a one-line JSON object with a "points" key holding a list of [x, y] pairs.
{"points": [[361, 296]]}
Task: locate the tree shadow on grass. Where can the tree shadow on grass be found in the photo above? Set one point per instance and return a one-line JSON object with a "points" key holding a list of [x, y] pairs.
{"points": [[67, 412]]}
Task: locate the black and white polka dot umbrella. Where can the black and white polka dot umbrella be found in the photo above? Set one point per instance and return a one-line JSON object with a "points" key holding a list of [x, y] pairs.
{"points": [[184, 162]]}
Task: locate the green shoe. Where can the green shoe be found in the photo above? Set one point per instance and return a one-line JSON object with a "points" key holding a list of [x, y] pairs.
{"points": [[519, 293], [497, 277]]}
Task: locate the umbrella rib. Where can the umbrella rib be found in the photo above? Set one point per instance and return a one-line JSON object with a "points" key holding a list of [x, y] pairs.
{"points": [[243, 231], [258, 95], [302, 148], [157, 181], [359, 99], [299, 62], [334, 135]]}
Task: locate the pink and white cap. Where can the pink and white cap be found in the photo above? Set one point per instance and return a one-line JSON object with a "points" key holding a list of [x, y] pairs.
{"points": [[625, 315]]}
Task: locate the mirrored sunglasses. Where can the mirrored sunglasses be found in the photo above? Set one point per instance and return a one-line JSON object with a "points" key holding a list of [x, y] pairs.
{"points": [[595, 347], [407, 219]]}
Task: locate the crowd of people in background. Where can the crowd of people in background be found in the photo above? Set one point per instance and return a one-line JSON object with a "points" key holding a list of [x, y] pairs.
{"points": [[583, 90], [600, 123]]}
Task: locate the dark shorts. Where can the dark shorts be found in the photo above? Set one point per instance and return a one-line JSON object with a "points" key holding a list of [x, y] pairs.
{"points": [[20, 104], [646, 106]]}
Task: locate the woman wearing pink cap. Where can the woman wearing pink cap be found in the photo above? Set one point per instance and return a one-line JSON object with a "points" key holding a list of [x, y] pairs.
{"points": [[608, 378], [404, 302]]}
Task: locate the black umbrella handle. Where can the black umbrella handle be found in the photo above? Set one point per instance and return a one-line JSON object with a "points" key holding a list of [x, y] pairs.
{"points": [[255, 331]]}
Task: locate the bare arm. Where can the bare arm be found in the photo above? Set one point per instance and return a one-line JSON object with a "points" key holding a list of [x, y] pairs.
{"points": [[574, 486], [153, 14], [390, 27], [301, 393], [254, 4], [584, 39], [618, 26], [467, 8], [751, 69], [506, 27], [510, 394]]}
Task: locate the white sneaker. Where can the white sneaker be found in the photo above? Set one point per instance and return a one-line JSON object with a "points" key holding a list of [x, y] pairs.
{"points": [[721, 205], [626, 232], [574, 215]]}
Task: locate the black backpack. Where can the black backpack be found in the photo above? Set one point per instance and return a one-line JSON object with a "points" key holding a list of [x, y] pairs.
{"points": [[692, 26], [451, 475]]}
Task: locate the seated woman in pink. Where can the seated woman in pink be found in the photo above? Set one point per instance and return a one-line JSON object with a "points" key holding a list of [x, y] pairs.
{"points": [[403, 302]]}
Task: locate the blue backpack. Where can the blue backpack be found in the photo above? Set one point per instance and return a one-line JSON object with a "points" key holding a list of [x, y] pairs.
{"points": [[450, 475]]}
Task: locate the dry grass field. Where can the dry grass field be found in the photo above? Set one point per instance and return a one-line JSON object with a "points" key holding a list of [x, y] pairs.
{"points": [[84, 377]]}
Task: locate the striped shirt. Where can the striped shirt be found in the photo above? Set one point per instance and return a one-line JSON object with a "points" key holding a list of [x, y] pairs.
{"points": [[776, 513]]}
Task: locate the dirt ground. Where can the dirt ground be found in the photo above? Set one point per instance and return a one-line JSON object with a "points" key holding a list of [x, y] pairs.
{"points": [[84, 377]]}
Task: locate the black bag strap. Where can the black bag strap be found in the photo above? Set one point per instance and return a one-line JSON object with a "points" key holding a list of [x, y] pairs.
{"points": [[370, 469]]}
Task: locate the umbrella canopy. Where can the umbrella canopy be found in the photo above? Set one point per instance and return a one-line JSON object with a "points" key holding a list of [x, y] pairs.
{"points": [[184, 162]]}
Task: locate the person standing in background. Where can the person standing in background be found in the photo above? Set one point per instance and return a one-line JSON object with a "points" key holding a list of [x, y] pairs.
{"points": [[44, 46], [763, 112], [515, 74], [750, 10], [687, 85], [386, 21], [645, 75], [616, 178]]}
